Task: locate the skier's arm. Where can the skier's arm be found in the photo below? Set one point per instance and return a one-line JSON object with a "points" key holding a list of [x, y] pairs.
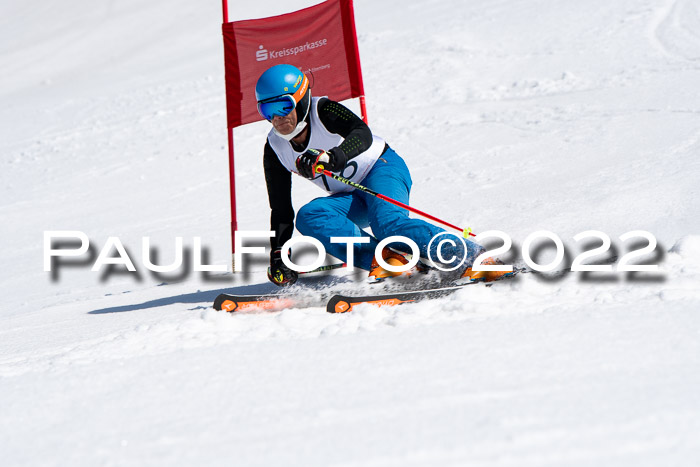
{"points": [[279, 192], [342, 121]]}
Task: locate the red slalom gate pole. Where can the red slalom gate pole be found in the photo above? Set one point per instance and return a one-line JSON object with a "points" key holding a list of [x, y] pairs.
{"points": [[466, 232]]}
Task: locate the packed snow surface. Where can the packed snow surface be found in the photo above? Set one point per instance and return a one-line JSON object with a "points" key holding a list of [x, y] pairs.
{"points": [[512, 115]]}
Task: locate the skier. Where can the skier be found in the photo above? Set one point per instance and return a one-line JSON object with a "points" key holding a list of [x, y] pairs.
{"points": [[308, 131]]}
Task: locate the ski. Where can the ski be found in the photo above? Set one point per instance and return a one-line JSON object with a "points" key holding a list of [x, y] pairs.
{"points": [[269, 302], [276, 301], [346, 303]]}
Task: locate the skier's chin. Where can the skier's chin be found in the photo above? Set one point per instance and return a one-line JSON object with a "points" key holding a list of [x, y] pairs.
{"points": [[284, 128]]}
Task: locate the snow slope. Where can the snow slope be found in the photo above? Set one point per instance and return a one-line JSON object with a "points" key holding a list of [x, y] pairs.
{"points": [[512, 115]]}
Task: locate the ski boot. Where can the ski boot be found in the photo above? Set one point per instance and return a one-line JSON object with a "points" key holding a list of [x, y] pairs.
{"points": [[486, 276], [378, 273]]}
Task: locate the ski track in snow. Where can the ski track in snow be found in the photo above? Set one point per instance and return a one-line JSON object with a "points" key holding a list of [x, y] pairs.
{"points": [[543, 115], [676, 32]]}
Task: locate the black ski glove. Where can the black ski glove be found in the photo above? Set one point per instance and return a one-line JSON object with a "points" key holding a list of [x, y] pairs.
{"points": [[278, 273], [333, 160]]}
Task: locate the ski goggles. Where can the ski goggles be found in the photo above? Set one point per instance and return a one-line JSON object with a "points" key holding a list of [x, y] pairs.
{"points": [[282, 105]]}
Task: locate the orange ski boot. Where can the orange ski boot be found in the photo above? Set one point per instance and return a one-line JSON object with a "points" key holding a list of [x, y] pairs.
{"points": [[378, 273], [486, 276]]}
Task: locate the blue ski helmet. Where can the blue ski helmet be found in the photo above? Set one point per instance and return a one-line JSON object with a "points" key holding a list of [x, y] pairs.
{"points": [[281, 89]]}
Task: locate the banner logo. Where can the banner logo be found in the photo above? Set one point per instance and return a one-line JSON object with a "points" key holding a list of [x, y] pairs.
{"points": [[261, 55]]}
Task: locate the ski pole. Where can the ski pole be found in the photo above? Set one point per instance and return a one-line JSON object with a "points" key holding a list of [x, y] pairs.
{"points": [[320, 169], [325, 268]]}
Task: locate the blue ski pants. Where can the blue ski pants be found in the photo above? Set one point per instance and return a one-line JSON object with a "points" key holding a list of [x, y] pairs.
{"points": [[346, 214]]}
